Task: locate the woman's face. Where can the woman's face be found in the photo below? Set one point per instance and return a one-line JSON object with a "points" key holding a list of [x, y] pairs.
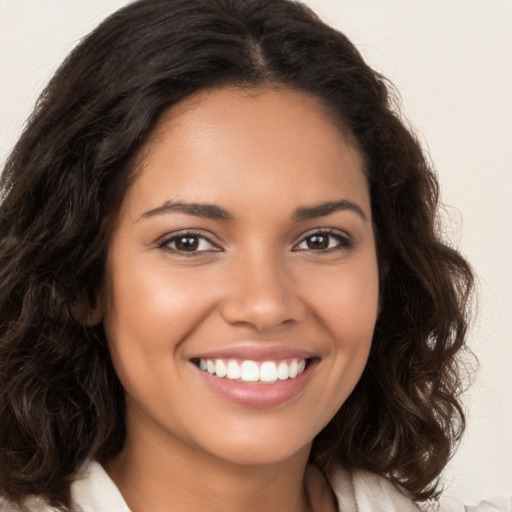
{"points": [[241, 284]]}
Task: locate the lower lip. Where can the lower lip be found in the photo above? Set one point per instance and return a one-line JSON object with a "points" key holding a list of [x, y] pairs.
{"points": [[258, 394]]}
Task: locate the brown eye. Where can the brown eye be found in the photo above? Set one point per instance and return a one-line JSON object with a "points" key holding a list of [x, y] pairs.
{"points": [[188, 243], [317, 242], [325, 241]]}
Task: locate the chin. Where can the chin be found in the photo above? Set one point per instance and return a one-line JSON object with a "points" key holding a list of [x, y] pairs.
{"points": [[260, 445], [263, 455]]}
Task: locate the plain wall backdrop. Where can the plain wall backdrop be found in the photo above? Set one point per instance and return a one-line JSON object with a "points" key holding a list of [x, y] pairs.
{"points": [[451, 60]]}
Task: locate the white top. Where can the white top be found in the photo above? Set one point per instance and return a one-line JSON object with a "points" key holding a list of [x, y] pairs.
{"points": [[358, 491]]}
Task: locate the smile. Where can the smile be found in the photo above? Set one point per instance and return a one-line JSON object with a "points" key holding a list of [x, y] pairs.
{"points": [[252, 371]]}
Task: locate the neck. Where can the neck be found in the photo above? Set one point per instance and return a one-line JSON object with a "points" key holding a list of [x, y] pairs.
{"points": [[159, 472], [151, 479]]}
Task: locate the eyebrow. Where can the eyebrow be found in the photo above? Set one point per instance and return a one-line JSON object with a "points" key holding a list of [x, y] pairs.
{"points": [[208, 211], [212, 211], [323, 209]]}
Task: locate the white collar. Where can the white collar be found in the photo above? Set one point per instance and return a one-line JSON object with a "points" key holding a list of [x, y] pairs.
{"points": [[94, 491], [356, 491], [362, 491]]}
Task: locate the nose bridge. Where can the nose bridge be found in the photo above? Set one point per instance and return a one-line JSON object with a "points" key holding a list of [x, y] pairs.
{"points": [[261, 291]]}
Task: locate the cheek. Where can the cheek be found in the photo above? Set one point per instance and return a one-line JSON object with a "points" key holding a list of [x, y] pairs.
{"points": [[347, 301], [149, 311], [354, 321], [152, 306], [346, 305]]}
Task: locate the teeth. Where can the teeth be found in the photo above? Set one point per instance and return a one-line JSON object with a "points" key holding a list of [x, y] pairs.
{"points": [[294, 368], [233, 370], [220, 368], [251, 371], [268, 372], [283, 371]]}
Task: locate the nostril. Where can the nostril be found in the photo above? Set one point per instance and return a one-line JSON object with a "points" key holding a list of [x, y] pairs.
{"points": [[263, 310]]}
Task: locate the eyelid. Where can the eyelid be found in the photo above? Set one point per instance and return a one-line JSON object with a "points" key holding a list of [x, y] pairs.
{"points": [[163, 242], [345, 240]]}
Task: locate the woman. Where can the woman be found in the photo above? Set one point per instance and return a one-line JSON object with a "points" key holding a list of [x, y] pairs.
{"points": [[222, 282]]}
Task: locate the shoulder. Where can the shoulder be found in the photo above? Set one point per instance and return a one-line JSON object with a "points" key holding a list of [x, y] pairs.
{"points": [[502, 504], [362, 491], [31, 504], [91, 491], [94, 491]]}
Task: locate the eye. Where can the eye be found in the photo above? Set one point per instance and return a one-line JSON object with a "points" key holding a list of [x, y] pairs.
{"points": [[187, 243], [324, 240]]}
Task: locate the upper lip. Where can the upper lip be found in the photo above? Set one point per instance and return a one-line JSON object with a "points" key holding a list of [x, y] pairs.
{"points": [[256, 353]]}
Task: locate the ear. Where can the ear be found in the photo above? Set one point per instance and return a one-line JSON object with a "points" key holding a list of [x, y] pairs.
{"points": [[383, 274], [89, 312], [95, 313]]}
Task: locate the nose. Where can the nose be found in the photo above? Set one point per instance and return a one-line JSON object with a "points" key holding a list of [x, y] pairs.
{"points": [[262, 295]]}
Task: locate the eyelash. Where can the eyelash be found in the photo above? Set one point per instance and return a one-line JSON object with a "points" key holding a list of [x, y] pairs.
{"points": [[165, 244], [343, 242]]}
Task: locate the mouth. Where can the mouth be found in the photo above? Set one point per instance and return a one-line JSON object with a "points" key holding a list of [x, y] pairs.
{"points": [[260, 382], [250, 371]]}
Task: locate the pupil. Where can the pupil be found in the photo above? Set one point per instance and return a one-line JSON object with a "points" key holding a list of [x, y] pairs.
{"points": [[318, 242], [187, 243]]}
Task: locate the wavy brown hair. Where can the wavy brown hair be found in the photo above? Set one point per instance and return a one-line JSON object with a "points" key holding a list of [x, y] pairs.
{"points": [[60, 400]]}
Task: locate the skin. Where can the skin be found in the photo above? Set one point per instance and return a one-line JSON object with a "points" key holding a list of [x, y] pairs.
{"points": [[257, 279]]}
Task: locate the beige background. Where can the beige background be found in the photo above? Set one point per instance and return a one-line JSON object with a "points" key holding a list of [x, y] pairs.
{"points": [[452, 62]]}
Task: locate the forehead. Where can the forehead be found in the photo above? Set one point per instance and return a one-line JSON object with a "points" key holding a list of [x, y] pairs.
{"points": [[223, 143]]}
